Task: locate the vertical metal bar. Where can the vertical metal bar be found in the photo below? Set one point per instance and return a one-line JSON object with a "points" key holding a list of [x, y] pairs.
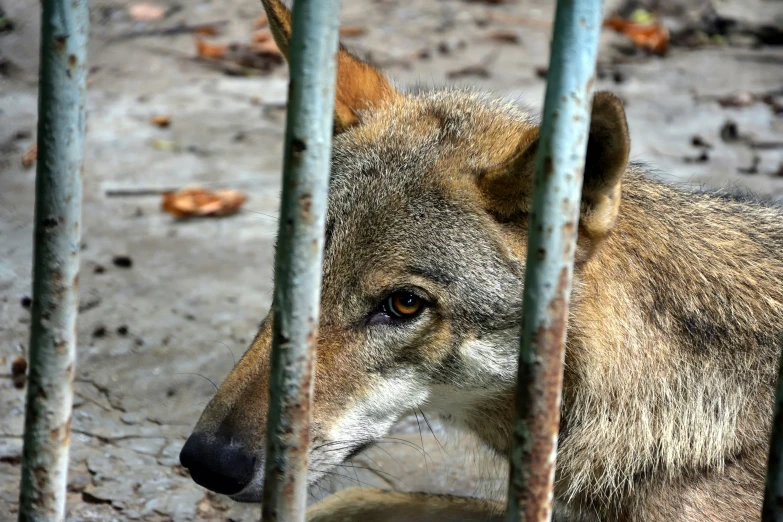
{"points": [[300, 255], [552, 240], [58, 193], [772, 509]]}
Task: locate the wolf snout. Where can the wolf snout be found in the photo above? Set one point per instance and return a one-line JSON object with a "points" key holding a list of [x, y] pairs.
{"points": [[217, 464]]}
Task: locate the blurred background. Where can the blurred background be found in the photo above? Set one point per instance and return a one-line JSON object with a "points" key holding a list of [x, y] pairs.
{"points": [[192, 93]]}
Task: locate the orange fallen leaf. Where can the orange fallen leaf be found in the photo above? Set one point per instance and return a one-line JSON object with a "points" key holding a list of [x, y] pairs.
{"points": [[652, 36], [352, 30], [30, 156], [201, 202], [261, 36], [207, 30], [268, 47], [208, 50], [161, 120], [145, 12], [505, 36], [260, 22]]}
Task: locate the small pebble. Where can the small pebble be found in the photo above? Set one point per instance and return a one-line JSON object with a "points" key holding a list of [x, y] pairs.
{"points": [[729, 132], [698, 141], [19, 372], [122, 261], [701, 158]]}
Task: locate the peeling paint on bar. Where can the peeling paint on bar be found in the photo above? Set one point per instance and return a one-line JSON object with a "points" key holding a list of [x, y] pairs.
{"points": [[58, 193], [300, 255], [552, 237]]}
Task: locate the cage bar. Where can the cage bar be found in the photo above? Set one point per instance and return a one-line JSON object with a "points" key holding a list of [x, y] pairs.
{"points": [[552, 240], [772, 509], [58, 192], [306, 163]]}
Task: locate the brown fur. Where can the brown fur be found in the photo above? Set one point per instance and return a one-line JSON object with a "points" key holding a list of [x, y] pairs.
{"points": [[676, 315]]}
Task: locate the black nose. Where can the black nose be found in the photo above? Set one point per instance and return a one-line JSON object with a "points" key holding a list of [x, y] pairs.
{"points": [[217, 464]]}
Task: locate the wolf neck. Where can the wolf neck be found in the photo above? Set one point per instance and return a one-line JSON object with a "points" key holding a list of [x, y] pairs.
{"points": [[702, 271], [673, 340], [678, 313]]}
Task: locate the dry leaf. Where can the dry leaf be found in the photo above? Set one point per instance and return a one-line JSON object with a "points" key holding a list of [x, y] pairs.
{"points": [[478, 71], [145, 12], [651, 35], [19, 366], [263, 56], [199, 202], [260, 22], [260, 54], [30, 156], [352, 30], [504, 35], [266, 47], [263, 35], [19, 372], [161, 120], [208, 50], [207, 30]]}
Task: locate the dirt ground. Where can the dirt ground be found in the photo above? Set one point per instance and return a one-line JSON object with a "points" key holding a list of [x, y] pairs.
{"points": [[153, 332]]}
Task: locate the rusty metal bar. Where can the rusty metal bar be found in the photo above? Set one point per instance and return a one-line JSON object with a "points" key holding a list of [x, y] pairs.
{"points": [[772, 509], [552, 240], [58, 192], [306, 163]]}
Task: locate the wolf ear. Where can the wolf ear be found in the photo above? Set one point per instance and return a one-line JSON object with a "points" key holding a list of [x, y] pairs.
{"points": [[359, 85], [507, 187], [608, 147]]}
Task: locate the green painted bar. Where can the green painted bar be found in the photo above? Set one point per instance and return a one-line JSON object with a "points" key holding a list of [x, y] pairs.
{"points": [[306, 164], [772, 509], [58, 192], [552, 241]]}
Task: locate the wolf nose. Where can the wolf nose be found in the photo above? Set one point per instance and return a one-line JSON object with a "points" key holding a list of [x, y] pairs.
{"points": [[217, 464]]}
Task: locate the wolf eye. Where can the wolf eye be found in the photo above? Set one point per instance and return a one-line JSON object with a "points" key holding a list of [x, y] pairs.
{"points": [[404, 304], [398, 308]]}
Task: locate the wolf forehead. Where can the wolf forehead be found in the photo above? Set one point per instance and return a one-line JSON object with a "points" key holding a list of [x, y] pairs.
{"points": [[401, 199], [406, 137], [417, 147]]}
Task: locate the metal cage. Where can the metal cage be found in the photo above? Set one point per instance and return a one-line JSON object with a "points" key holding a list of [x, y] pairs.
{"points": [[552, 238]]}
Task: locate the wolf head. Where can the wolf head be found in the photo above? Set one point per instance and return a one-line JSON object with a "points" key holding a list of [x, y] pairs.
{"points": [[424, 264]]}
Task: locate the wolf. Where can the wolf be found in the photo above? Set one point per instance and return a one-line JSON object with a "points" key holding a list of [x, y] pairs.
{"points": [[674, 327]]}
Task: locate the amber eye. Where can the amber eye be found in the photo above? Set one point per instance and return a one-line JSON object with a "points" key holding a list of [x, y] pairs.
{"points": [[404, 304]]}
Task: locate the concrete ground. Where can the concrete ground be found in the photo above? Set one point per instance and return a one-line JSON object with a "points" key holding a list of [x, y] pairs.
{"points": [[195, 291]]}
